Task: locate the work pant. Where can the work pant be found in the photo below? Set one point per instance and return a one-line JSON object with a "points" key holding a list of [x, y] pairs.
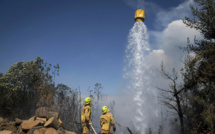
{"points": [[86, 129]]}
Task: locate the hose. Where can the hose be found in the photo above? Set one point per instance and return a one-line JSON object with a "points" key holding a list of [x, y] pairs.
{"points": [[124, 127]]}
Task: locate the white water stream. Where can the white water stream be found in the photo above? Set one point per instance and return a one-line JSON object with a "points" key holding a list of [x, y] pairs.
{"points": [[139, 74]]}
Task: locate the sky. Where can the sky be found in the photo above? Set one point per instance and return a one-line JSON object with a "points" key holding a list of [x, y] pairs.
{"points": [[88, 38]]}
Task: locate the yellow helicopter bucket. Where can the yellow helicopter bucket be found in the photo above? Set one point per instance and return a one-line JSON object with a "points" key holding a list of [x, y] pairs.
{"points": [[139, 15]]}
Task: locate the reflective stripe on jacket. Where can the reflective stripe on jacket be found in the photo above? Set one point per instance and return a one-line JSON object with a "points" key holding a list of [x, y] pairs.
{"points": [[107, 121]]}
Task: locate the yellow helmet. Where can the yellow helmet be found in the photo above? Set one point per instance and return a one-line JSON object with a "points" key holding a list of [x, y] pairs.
{"points": [[105, 109], [87, 101]]}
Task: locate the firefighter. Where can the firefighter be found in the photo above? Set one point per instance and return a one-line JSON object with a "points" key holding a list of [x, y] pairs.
{"points": [[107, 121], [86, 115]]}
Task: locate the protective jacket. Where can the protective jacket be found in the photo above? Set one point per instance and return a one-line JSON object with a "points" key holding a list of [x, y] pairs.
{"points": [[107, 122], [86, 114]]}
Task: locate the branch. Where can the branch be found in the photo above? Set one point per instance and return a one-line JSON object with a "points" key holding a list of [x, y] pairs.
{"points": [[164, 90], [171, 106], [178, 91]]}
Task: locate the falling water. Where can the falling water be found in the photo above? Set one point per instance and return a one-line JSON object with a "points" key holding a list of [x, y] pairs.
{"points": [[138, 72]]}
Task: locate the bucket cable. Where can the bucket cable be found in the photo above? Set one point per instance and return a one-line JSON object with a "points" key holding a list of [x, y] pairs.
{"points": [[139, 4]]}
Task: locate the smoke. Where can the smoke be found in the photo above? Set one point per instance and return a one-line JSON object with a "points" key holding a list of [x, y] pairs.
{"points": [[165, 17], [138, 105]]}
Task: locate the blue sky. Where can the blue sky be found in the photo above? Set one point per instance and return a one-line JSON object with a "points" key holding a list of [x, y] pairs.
{"points": [[87, 38]]}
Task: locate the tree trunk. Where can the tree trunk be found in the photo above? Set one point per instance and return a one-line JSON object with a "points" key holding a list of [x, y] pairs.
{"points": [[50, 131], [53, 122], [39, 131], [41, 120], [32, 118], [61, 131], [180, 113], [18, 121], [31, 131], [5, 132], [26, 125], [10, 127]]}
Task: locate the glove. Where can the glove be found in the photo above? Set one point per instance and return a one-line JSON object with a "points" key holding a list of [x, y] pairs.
{"points": [[90, 123], [114, 128]]}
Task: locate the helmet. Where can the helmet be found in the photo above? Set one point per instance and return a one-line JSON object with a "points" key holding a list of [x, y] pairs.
{"points": [[105, 109], [87, 101]]}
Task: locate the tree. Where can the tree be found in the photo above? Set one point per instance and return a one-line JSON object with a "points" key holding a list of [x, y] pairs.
{"points": [[203, 18], [98, 90], [96, 106], [61, 92], [199, 70], [25, 86], [173, 101], [68, 105]]}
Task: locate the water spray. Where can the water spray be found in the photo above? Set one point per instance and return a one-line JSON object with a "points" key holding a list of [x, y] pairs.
{"points": [[138, 72]]}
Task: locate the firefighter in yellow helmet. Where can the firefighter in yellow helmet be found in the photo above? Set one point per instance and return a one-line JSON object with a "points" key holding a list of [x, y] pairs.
{"points": [[86, 115], [107, 121]]}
